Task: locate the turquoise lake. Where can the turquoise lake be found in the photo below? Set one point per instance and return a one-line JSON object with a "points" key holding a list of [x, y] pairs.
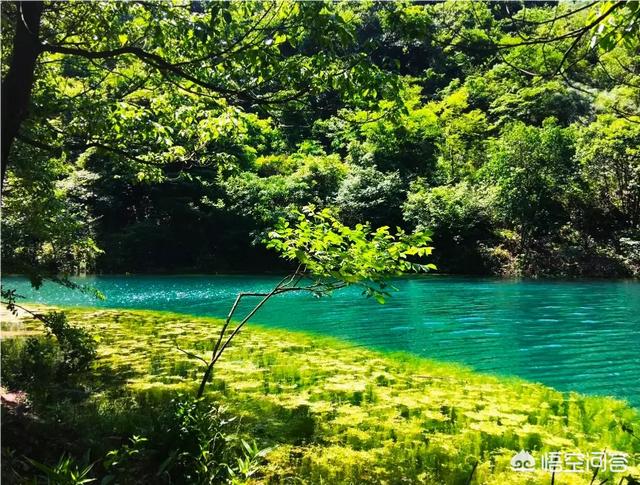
{"points": [[577, 335]]}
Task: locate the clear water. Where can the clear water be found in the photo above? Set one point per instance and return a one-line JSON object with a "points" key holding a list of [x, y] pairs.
{"points": [[582, 336]]}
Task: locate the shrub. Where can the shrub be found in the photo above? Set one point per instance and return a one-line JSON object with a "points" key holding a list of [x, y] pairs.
{"points": [[27, 361], [78, 347], [367, 194], [459, 217], [199, 445], [62, 352]]}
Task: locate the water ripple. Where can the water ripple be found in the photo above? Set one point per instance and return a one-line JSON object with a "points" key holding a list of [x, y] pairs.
{"points": [[581, 335]]}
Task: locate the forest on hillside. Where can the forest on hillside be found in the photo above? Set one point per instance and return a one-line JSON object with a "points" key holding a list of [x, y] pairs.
{"points": [[169, 137]]}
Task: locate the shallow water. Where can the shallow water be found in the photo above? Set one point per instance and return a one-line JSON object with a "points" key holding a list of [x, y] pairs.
{"points": [[579, 335]]}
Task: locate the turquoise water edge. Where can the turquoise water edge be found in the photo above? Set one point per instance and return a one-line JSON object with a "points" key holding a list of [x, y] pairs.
{"points": [[572, 335]]}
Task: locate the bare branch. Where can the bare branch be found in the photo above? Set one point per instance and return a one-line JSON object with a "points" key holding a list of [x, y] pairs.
{"points": [[560, 17], [569, 35], [189, 354]]}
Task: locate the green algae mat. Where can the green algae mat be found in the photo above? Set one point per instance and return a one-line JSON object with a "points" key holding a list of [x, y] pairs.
{"points": [[336, 413]]}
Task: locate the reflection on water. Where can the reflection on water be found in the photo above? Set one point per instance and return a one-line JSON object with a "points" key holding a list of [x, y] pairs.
{"points": [[581, 335]]}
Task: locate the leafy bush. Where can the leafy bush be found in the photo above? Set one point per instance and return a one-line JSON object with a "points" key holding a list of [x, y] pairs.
{"points": [[263, 199], [532, 104], [631, 253], [460, 218], [65, 472], [367, 194], [406, 143], [322, 175], [119, 462], [202, 446], [455, 211], [62, 352], [78, 347], [182, 441], [28, 361]]}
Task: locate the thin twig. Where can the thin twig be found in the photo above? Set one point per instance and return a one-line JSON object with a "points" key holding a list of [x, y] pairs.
{"points": [[189, 354]]}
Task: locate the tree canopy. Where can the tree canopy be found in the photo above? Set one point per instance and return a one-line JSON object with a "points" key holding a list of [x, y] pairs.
{"points": [[144, 136]]}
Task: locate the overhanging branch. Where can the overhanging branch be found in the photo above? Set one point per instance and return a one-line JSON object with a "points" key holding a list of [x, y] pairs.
{"points": [[150, 59], [82, 146]]}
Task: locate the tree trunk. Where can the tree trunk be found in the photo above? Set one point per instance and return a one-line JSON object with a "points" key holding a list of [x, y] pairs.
{"points": [[17, 84]]}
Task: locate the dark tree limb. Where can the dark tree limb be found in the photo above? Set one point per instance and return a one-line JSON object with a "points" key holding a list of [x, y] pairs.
{"points": [[568, 35], [148, 58], [219, 347], [473, 470], [18, 82], [57, 150]]}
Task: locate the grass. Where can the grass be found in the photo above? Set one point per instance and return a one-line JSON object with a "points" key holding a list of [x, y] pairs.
{"points": [[336, 413]]}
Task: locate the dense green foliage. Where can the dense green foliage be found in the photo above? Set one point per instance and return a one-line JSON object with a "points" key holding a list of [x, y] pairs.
{"points": [[319, 410], [73, 350], [334, 255], [167, 137]]}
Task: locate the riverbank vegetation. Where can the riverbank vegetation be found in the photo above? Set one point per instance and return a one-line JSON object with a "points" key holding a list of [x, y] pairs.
{"points": [[511, 132], [309, 409]]}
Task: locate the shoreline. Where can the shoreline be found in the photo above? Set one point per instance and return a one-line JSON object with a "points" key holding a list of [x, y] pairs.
{"points": [[435, 274], [331, 341]]}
